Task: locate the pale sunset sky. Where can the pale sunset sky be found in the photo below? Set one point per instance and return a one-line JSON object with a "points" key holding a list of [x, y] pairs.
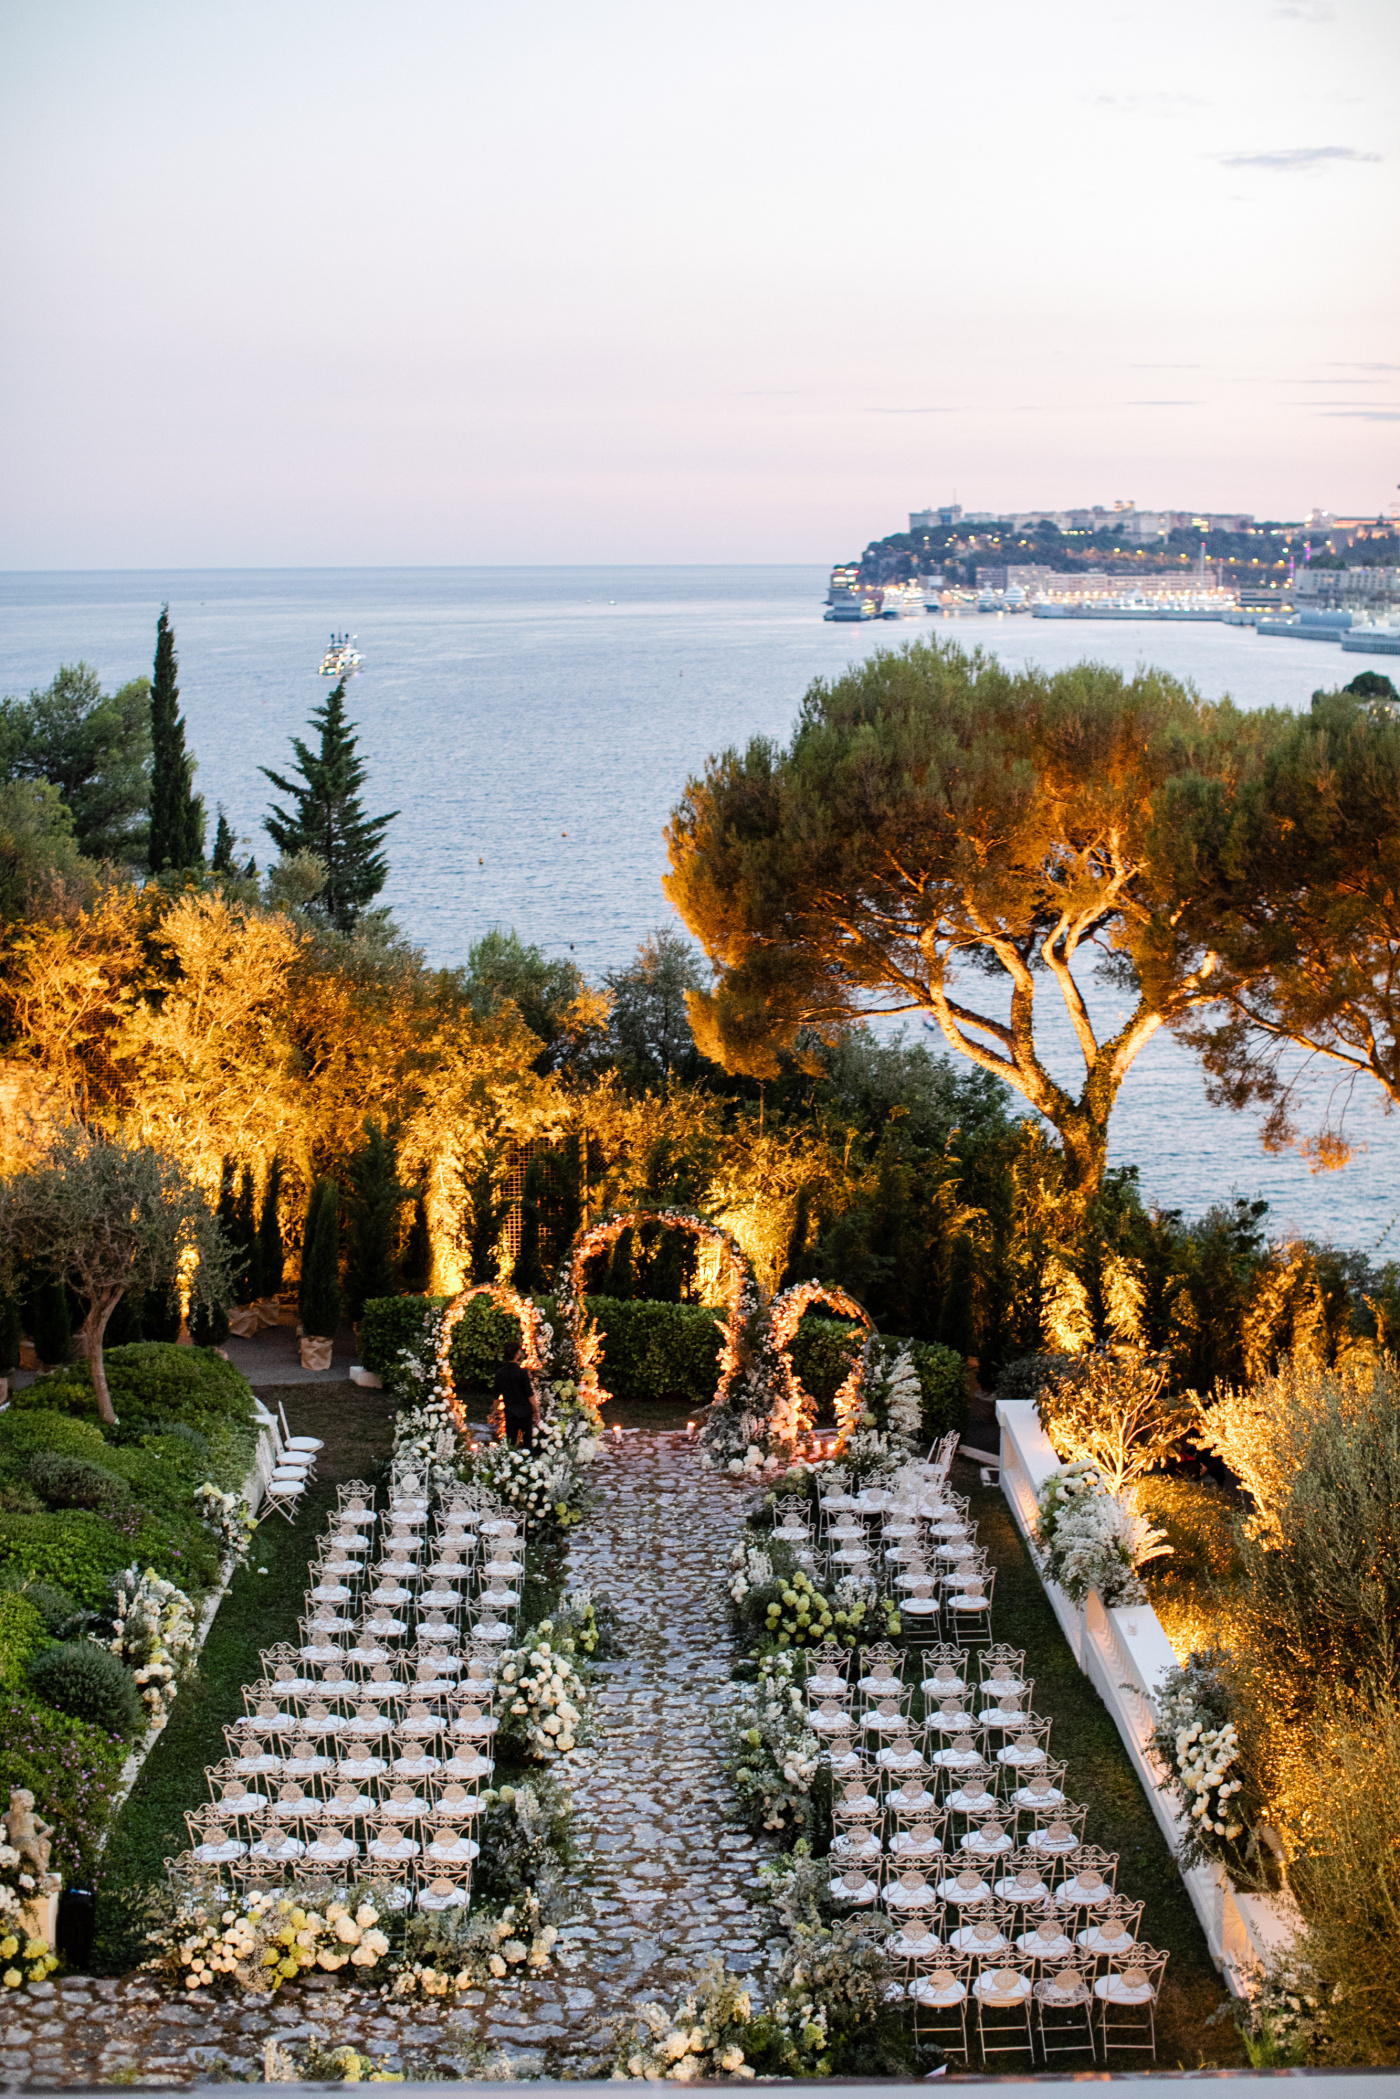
{"points": [[439, 281]]}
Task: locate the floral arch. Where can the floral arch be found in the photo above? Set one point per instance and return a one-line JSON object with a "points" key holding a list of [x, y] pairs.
{"points": [[793, 1408], [534, 1337], [579, 1345]]}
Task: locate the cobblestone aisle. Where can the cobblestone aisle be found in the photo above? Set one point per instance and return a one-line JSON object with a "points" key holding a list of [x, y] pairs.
{"points": [[661, 1874]]}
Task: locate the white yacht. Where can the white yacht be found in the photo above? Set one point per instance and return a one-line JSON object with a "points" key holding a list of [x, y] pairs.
{"points": [[342, 659]]}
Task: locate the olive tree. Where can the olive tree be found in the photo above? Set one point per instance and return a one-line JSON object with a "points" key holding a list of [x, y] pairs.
{"points": [[107, 1217]]}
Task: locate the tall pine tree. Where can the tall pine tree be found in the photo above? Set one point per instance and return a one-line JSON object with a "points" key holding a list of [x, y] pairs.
{"points": [[328, 818], [177, 812]]}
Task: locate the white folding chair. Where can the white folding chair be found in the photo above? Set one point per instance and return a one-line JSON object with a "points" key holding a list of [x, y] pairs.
{"points": [[312, 1445]]}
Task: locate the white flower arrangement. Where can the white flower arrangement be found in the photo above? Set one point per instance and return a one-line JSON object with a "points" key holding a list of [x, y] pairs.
{"points": [[466, 1953], [771, 1754], [903, 1403], [1093, 1539], [154, 1634], [258, 1941], [228, 1516], [702, 2037], [545, 1698], [23, 1958], [1199, 1747]]}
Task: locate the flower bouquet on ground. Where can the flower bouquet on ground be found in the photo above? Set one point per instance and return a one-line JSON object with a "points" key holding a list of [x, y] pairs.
{"points": [[771, 1755], [229, 1518], [260, 1939], [457, 1950], [775, 1602], [544, 1700], [23, 1958]]}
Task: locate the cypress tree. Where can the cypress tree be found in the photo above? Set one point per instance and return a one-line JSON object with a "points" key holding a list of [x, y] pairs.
{"points": [[416, 1260], [956, 1325], [376, 1197], [796, 1266], [528, 1273], [620, 1277], [487, 1217], [177, 812], [160, 1314], [221, 862], [270, 1249], [320, 1262], [328, 818], [246, 1230], [9, 1332]]}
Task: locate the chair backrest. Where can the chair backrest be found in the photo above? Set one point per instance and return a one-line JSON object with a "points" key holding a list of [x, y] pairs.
{"points": [[1145, 1965]]}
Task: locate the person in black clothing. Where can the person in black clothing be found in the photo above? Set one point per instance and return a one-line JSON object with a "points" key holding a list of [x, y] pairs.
{"points": [[517, 1396]]}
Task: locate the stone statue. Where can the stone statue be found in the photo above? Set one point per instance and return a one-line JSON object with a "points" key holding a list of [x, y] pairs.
{"points": [[26, 1833]]}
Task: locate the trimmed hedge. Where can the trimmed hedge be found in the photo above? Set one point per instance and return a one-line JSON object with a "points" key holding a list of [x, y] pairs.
{"points": [[155, 1386], [22, 1634], [89, 1683], [73, 1771], [656, 1351]]}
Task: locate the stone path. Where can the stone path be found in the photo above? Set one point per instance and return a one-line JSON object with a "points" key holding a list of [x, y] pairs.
{"points": [[662, 1870]]}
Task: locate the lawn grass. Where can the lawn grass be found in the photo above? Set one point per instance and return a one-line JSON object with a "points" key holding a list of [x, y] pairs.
{"points": [[258, 1610], [1120, 1817]]}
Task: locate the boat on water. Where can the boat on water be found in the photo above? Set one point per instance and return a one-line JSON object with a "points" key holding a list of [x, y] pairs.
{"points": [[342, 659], [855, 606], [902, 601]]}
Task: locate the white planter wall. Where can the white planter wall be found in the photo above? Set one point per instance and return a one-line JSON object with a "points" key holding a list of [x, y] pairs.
{"points": [[1125, 1654]]}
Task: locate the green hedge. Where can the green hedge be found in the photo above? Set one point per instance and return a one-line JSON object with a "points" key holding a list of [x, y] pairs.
{"points": [[22, 1634], [72, 1770], [655, 1351], [155, 1385]]}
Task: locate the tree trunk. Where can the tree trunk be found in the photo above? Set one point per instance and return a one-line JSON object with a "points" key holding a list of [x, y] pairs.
{"points": [[1085, 1141], [94, 1327]]}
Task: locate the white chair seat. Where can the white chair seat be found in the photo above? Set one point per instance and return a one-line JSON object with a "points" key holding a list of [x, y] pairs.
{"points": [[1002, 1986], [1112, 1989]]}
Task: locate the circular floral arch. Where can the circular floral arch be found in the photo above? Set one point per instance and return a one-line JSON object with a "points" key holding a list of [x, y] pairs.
{"points": [[580, 1339], [534, 1336], [794, 1410]]}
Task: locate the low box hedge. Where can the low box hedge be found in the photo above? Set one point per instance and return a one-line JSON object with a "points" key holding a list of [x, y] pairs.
{"points": [[157, 1385], [655, 1351]]}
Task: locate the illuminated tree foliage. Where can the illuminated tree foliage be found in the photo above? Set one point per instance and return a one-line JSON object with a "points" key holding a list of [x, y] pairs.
{"points": [[936, 816], [1294, 877]]}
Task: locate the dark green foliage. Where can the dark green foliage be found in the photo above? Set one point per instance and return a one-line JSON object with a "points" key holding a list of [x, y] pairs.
{"points": [[9, 1332], [75, 1549], [1024, 1377], [93, 747], [57, 1609], [249, 1283], [53, 1322], [528, 1273], [221, 859], [501, 967], [388, 1325], [37, 850], [486, 1212], [942, 1375], [478, 1344], [209, 1327], [270, 1250], [797, 1264], [72, 1770], [319, 1299], [177, 812], [649, 1023], [658, 1351], [671, 1262], [416, 1260], [956, 1320], [25, 1430], [88, 1683], [75, 1483], [619, 1278], [22, 1634], [327, 817], [152, 1385], [372, 1219], [160, 1314]]}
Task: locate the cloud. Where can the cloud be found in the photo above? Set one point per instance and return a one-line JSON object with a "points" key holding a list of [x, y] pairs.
{"points": [[1352, 364], [1162, 404], [1166, 367], [910, 411], [1294, 160], [1359, 415]]}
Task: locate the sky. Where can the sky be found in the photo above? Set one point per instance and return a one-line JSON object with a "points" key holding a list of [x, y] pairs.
{"points": [[440, 282]]}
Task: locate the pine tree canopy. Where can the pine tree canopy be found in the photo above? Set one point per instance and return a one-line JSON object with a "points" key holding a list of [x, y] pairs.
{"points": [[177, 812], [328, 818]]}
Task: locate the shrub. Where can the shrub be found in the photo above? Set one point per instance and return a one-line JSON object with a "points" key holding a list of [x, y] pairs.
{"points": [[1111, 1411], [22, 1432], [22, 1634], [72, 1770], [1024, 1378], [942, 1375], [658, 1351], [319, 1301], [78, 1551], [89, 1683], [55, 1606], [388, 1325], [151, 1382], [75, 1483]]}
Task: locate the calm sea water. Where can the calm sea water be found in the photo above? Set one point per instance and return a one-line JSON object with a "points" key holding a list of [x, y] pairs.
{"points": [[535, 726]]}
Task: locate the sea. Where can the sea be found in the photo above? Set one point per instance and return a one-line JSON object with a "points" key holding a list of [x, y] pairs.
{"points": [[533, 728]]}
